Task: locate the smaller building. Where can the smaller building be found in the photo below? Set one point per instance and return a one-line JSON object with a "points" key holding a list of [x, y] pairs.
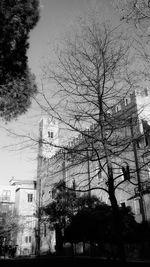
{"points": [[7, 198], [7, 209], [25, 207]]}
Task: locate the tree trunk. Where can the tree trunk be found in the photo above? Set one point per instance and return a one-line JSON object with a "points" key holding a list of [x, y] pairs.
{"points": [[59, 240], [116, 219]]}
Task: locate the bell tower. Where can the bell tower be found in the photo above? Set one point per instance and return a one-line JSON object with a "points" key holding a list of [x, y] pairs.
{"points": [[49, 137]]}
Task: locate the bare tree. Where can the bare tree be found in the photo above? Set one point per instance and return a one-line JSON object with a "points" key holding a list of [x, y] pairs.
{"points": [[9, 227], [135, 12], [94, 100]]}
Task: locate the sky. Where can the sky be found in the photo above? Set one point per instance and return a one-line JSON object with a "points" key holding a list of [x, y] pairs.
{"points": [[57, 16]]}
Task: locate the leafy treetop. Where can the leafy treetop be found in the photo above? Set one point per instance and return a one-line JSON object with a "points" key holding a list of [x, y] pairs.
{"points": [[17, 84]]}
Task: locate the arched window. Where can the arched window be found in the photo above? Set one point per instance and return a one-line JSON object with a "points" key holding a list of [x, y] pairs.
{"points": [[127, 101], [118, 108]]}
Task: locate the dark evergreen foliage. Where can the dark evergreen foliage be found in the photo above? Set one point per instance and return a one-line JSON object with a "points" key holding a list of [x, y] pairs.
{"points": [[96, 225], [85, 218], [17, 85]]}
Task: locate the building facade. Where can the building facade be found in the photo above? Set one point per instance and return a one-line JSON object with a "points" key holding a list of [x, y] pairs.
{"points": [[78, 163], [7, 211], [7, 198], [48, 134], [25, 210], [18, 215]]}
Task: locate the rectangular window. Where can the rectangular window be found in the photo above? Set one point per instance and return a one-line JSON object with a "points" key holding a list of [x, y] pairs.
{"points": [[30, 197], [97, 171], [6, 195], [29, 239], [53, 193], [126, 172], [5, 208], [45, 229], [138, 143], [147, 139], [148, 170], [136, 207], [50, 134], [99, 175], [121, 174], [26, 239], [145, 92]]}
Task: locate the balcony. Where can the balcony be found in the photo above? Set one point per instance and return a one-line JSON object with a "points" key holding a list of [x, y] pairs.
{"points": [[4, 198], [145, 188]]}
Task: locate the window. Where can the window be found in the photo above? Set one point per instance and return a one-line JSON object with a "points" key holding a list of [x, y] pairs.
{"points": [[145, 91], [6, 195], [30, 197], [127, 101], [118, 108], [53, 193], [136, 207], [147, 139], [50, 134], [44, 230], [138, 144], [27, 239], [148, 168], [121, 174], [126, 171], [99, 175], [74, 184], [146, 130], [123, 205]]}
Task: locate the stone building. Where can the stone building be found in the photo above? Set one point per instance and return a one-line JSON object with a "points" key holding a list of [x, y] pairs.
{"points": [[48, 133], [83, 162]]}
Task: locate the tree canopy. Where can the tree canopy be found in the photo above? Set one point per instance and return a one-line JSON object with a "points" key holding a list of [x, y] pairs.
{"points": [[8, 226], [96, 225], [17, 84], [66, 203], [86, 218]]}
